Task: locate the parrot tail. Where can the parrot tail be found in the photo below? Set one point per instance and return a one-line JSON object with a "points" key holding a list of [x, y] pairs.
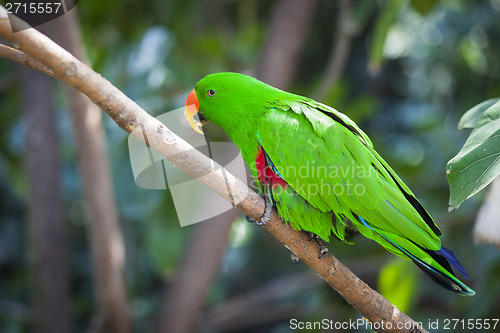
{"points": [[438, 266], [446, 259], [449, 257]]}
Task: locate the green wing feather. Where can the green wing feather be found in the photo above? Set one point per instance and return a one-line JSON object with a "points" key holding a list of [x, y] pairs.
{"points": [[333, 172], [342, 172]]}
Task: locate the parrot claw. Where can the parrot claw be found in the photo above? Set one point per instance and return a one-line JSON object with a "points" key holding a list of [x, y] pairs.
{"points": [[249, 219], [323, 248], [295, 259], [267, 212]]}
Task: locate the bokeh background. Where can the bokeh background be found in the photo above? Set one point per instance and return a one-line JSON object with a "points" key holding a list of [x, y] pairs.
{"points": [[404, 70]]}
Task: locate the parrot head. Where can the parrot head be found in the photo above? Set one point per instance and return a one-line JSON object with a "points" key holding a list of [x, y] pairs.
{"points": [[229, 100]]}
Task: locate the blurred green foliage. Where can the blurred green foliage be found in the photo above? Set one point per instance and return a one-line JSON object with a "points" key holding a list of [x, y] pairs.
{"points": [[433, 62], [398, 282]]}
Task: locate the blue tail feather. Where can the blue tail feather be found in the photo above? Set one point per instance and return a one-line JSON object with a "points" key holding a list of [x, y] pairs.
{"points": [[452, 260]]}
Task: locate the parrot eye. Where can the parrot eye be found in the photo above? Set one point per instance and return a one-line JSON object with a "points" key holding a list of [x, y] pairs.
{"points": [[211, 93]]}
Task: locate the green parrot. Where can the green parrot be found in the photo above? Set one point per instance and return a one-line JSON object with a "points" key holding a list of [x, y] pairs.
{"points": [[320, 170]]}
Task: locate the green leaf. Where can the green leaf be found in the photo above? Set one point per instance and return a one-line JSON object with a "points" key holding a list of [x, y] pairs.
{"points": [[478, 163], [382, 28], [398, 283], [471, 117]]}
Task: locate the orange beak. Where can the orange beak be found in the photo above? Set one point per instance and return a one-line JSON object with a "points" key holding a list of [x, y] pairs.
{"points": [[191, 109]]}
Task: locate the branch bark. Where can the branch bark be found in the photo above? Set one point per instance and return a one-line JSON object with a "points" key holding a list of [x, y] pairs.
{"points": [[11, 53], [130, 117]]}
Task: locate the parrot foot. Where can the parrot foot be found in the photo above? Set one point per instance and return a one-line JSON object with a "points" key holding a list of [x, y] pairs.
{"points": [[267, 212], [249, 219], [323, 248], [295, 259]]}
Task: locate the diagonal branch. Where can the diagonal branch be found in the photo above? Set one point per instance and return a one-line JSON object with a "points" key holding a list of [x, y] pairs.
{"points": [[11, 53], [129, 116]]}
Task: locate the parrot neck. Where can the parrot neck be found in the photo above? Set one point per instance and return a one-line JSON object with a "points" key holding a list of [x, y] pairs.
{"points": [[243, 131], [244, 136], [247, 142]]}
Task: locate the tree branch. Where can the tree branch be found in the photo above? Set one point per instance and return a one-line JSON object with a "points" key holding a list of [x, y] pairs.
{"points": [[129, 116], [339, 52], [22, 58], [287, 33], [198, 269], [49, 254], [104, 231]]}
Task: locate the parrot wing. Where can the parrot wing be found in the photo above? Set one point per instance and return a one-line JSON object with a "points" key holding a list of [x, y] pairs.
{"points": [[329, 161]]}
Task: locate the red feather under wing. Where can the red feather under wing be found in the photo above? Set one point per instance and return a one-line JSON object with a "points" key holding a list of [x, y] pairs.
{"points": [[267, 176]]}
